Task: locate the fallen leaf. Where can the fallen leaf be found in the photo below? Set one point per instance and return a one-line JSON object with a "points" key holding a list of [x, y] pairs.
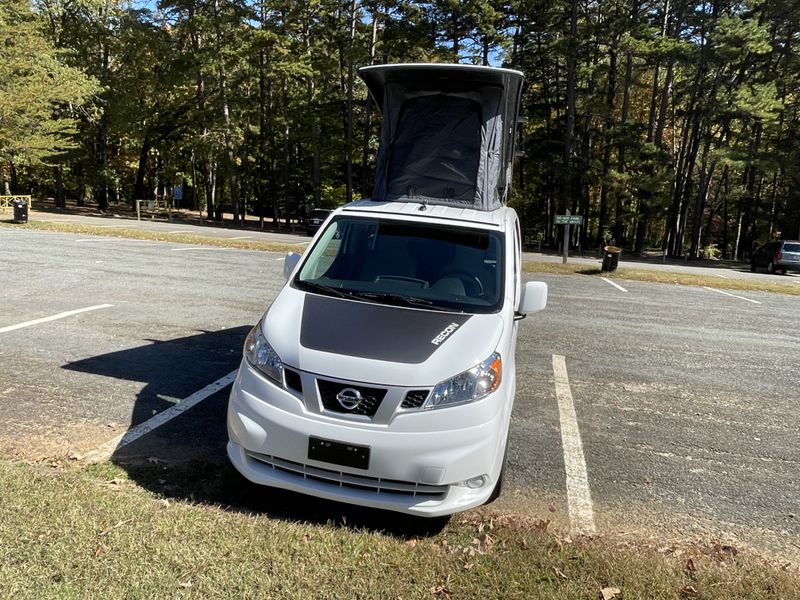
{"points": [[116, 482], [541, 524], [552, 508], [99, 551], [440, 590], [690, 591], [185, 584], [690, 566], [468, 566], [108, 530], [306, 538], [609, 593], [75, 456], [412, 543], [112, 425], [440, 545]]}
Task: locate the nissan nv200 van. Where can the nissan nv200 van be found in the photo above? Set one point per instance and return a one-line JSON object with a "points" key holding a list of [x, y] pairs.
{"points": [[383, 373]]}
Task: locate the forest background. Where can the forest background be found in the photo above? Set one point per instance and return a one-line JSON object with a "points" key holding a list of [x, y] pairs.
{"points": [[670, 125]]}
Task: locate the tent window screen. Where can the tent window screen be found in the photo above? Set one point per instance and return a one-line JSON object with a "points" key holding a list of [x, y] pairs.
{"points": [[436, 149]]}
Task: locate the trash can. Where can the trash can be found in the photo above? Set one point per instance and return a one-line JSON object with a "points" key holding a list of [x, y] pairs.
{"points": [[20, 211], [611, 258]]}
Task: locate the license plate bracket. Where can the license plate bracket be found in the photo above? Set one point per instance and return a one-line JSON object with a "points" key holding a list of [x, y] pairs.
{"points": [[338, 453]]}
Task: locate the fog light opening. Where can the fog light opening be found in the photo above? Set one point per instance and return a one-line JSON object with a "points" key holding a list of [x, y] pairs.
{"points": [[476, 482]]}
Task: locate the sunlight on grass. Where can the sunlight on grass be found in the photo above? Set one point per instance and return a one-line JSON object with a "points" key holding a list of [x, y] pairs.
{"points": [[77, 533]]}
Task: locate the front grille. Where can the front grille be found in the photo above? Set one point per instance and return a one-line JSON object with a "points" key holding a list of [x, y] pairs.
{"points": [[414, 399], [293, 380], [374, 485], [371, 398]]}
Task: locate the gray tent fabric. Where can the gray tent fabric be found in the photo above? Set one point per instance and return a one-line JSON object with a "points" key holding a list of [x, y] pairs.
{"points": [[435, 151], [448, 133]]}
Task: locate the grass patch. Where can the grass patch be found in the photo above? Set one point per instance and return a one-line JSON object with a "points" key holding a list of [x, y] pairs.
{"points": [[81, 533], [157, 236], [664, 276]]}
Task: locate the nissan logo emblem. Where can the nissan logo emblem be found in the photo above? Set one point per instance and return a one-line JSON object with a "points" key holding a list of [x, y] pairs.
{"points": [[349, 398]]}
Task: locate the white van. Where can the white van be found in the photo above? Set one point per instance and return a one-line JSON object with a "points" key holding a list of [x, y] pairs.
{"points": [[383, 373]]}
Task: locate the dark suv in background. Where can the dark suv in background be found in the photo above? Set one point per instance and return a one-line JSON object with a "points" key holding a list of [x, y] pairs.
{"points": [[777, 256], [315, 219]]}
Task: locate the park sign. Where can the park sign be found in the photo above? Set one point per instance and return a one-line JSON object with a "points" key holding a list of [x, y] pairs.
{"points": [[568, 220]]}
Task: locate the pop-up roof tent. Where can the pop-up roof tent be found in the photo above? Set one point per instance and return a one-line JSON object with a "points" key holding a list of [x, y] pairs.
{"points": [[448, 132]]}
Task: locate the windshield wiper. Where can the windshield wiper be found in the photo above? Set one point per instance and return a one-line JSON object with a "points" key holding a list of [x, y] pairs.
{"points": [[327, 290], [398, 299]]}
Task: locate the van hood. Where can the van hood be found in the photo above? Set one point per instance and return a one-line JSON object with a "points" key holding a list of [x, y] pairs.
{"points": [[374, 343]]}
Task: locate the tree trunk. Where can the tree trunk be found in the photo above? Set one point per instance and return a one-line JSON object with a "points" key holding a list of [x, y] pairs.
{"points": [[226, 116], [572, 59], [139, 190], [745, 242], [14, 177], [366, 181], [286, 153], [316, 181], [61, 198], [611, 94], [349, 118]]}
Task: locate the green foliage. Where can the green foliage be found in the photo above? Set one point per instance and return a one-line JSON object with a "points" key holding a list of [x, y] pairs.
{"points": [[41, 97], [681, 119]]}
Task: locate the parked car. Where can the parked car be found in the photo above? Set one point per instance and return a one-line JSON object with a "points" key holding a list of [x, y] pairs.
{"points": [[315, 220], [778, 256], [383, 373]]}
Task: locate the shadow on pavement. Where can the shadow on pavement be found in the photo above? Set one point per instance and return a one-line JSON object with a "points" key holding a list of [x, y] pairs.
{"points": [[185, 458]]}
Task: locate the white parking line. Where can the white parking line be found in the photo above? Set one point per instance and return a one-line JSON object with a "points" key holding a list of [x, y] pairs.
{"points": [[619, 287], [105, 451], [731, 295], [197, 248], [62, 315], [579, 497]]}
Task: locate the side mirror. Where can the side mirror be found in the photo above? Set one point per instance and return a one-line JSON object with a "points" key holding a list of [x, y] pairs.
{"points": [[289, 263], [534, 297]]}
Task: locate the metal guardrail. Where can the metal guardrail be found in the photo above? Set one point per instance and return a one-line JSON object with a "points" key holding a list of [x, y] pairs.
{"points": [[153, 208], [7, 201]]}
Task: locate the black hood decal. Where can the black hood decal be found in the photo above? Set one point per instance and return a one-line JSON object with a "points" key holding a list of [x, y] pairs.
{"points": [[375, 331]]}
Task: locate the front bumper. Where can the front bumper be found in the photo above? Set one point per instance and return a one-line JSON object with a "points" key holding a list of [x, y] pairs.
{"points": [[415, 472]]}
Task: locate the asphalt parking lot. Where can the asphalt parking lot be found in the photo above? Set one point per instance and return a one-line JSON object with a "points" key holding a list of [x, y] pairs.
{"points": [[685, 399]]}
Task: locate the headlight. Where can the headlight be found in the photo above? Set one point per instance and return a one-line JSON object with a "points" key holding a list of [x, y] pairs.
{"points": [[261, 355], [469, 386]]}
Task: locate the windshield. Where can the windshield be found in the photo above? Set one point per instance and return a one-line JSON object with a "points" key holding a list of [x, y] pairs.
{"points": [[425, 266]]}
